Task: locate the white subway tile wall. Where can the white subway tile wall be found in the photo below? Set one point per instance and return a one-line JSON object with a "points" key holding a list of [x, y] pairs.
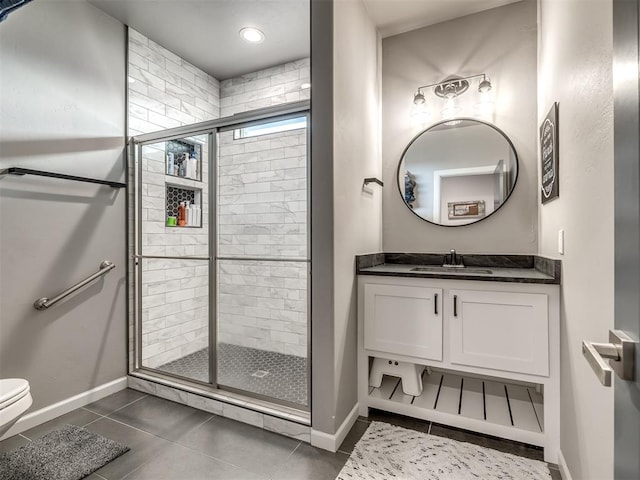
{"points": [[265, 88], [262, 212], [168, 92], [262, 205]]}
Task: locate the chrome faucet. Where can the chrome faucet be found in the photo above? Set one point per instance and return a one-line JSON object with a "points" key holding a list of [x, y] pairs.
{"points": [[452, 260]]}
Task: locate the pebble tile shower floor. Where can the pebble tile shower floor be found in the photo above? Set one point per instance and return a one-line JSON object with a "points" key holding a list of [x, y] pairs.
{"points": [[272, 374]]}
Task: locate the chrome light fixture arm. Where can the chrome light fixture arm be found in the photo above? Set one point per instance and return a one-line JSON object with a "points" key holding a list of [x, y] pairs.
{"points": [[452, 87]]}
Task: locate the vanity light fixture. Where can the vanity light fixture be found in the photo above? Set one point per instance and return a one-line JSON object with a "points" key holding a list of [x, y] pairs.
{"points": [[449, 89], [251, 35]]}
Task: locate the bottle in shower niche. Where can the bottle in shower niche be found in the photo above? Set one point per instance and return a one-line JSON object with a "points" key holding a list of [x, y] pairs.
{"points": [[187, 211], [170, 163], [193, 166], [197, 221], [182, 220], [183, 165]]}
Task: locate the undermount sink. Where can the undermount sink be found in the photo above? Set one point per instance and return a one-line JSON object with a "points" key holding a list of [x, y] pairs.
{"points": [[452, 270]]}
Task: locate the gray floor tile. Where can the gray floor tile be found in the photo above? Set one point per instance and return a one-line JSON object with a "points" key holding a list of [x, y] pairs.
{"points": [[114, 402], [79, 417], [500, 444], [12, 442], [310, 463], [144, 447], [240, 444], [181, 463], [353, 436], [161, 417]]}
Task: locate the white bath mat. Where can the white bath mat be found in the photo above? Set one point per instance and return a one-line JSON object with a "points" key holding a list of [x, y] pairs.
{"points": [[388, 452]]}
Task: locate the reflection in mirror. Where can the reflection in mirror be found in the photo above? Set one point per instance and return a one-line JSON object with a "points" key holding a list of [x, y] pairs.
{"points": [[457, 172]]}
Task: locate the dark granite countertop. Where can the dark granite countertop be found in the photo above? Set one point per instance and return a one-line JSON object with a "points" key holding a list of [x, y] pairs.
{"points": [[487, 268]]}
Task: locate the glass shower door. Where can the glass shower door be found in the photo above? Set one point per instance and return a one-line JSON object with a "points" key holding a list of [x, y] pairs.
{"points": [[263, 260], [173, 257]]}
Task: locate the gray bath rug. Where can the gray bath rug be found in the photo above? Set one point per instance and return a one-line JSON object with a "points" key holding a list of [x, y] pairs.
{"points": [[388, 452], [69, 453]]}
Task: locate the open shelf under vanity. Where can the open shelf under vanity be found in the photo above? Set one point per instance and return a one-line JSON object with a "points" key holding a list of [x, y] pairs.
{"points": [[488, 406]]}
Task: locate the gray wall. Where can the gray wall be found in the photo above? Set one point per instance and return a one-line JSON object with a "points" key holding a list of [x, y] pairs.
{"points": [[576, 42], [62, 80], [322, 254], [357, 220], [502, 43], [346, 218]]}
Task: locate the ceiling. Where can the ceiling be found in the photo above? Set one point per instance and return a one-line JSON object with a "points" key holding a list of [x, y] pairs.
{"points": [[205, 32], [398, 16]]}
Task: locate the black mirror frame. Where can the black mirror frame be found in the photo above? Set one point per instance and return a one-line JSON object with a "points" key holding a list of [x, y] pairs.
{"points": [[515, 181]]}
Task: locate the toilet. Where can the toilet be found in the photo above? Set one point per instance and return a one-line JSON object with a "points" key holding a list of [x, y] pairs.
{"points": [[15, 399]]}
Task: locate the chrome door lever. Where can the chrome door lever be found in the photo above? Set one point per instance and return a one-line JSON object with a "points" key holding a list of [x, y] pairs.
{"points": [[620, 352]]}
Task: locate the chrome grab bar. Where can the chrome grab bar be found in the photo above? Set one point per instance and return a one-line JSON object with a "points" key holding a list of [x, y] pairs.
{"points": [[44, 302]]}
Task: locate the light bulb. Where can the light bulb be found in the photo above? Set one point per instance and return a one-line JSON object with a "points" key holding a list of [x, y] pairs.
{"points": [[450, 109], [252, 35], [485, 86], [419, 114]]}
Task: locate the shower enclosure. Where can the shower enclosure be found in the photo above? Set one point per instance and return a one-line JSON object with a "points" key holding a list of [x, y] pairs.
{"points": [[221, 255]]}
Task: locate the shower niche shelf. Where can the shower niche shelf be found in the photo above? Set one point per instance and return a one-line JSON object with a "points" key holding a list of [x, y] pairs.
{"points": [[183, 159], [180, 193]]}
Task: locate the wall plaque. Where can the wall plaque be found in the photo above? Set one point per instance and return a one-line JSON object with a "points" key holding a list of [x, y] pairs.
{"points": [[549, 156]]}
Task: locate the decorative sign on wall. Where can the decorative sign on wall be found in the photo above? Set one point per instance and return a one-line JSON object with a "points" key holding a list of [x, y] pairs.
{"points": [[549, 156], [466, 209]]}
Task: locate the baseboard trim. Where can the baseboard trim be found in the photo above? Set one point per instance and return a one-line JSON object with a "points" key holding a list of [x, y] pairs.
{"points": [[562, 466], [45, 414], [330, 442]]}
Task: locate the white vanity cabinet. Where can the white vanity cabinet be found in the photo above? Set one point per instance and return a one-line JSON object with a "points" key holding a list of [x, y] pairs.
{"points": [[492, 349], [415, 328], [506, 331]]}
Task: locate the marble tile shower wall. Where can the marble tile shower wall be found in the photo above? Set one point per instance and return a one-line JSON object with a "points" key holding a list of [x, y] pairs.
{"points": [[265, 88], [262, 211], [167, 91], [175, 293]]}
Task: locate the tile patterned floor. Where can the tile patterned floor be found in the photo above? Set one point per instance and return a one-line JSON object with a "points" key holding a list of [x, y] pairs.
{"points": [[170, 441], [266, 373]]}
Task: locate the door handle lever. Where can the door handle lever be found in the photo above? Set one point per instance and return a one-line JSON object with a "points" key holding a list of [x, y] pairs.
{"points": [[620, 352]]}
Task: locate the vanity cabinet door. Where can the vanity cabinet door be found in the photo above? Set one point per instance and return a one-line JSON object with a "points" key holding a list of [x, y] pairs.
{"points": [[406, 320], [499, 330]]}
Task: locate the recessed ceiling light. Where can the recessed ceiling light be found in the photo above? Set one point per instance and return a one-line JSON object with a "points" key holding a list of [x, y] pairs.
{"points": [[252, 35]]}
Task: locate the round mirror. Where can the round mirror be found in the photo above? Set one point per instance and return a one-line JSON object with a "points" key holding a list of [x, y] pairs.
{"points": [[457, 172]]}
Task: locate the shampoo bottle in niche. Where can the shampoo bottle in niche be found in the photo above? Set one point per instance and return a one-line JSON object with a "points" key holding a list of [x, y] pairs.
{"points": [[187, 214], [170, 163], [181, 215], [193, 166], [192, 216], [198, 216]]}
